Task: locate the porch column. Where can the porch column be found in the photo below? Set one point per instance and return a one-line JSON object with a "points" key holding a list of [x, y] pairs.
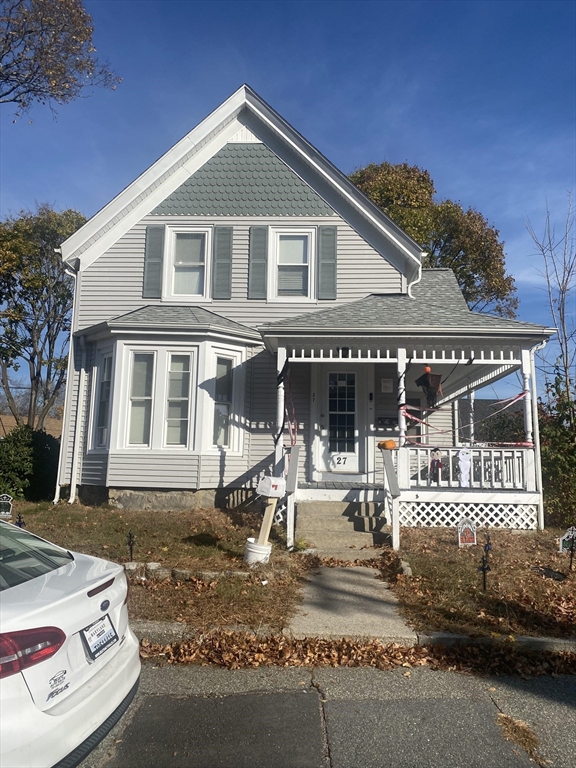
{"points": [[471, 399], [527, 386], [401, 368], [280, 410]]}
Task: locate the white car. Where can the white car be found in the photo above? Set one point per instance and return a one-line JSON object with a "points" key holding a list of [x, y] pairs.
{"points": [[69, 663]]}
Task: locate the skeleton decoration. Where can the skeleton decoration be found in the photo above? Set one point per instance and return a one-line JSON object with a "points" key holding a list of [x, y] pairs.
{"points": [[464, 461]]}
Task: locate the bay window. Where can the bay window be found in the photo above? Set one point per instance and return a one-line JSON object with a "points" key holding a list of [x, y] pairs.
{"points": [[178, 401], [103, 412], [223, 401], [141, 398]]}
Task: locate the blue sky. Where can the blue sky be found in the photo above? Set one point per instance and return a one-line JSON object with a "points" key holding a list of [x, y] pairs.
{"points": [[481, 94]]}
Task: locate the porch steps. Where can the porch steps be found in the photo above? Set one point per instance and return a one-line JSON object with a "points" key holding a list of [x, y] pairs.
{"points": [[337, 525]]}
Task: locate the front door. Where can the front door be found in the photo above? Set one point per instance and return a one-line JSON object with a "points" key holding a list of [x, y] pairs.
{"points": [[341, 419]]}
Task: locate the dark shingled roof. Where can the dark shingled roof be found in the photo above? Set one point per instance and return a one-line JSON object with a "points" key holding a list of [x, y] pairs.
{"points": [[244, 180], [180, 318], [437, 303]]}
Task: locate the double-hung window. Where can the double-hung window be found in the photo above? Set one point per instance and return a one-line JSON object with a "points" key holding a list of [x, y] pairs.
{"points": [[103, 413], [188, 263], [292, 262], [141, 388], [224, 388], [178, 400]]}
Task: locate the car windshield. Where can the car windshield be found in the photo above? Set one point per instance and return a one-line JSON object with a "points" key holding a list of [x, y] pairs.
{"points": [[24, 557]]}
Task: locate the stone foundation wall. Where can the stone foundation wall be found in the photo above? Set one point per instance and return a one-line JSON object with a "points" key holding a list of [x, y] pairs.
{"points": [[163, 501]]}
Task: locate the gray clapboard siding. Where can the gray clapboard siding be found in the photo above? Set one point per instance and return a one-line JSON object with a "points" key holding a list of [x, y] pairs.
{"points": [[147, 470], [71, 416], [441, 427], [94, 468], [262, 410], [220, 471], [112, 285]]}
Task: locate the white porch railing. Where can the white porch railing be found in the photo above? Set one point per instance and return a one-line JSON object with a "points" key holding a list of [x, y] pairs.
{"points": [[490, 469]]}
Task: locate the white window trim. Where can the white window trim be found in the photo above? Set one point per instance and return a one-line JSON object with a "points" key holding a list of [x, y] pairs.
{"points": [[238, 421], [190, 353], [128, 410], [273, 254], [168, 264], [122, 384]]}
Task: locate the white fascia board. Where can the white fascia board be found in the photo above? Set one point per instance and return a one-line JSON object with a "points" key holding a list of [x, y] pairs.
{"points": [[416, 332], [231, 107], [411, 250]]}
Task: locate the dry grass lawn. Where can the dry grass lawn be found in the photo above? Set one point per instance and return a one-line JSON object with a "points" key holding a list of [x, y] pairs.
{"points": [[197, 540], [446, 593]]}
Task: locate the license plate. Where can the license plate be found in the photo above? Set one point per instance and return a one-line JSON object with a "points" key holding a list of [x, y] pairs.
{"points": [[99, 636]]}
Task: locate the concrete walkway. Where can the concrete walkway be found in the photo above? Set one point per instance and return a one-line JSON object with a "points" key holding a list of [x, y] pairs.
{"points": [[350, 602]]}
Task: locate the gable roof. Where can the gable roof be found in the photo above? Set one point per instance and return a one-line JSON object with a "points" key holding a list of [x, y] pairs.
{"points": [[243, 110], [437, 305]]}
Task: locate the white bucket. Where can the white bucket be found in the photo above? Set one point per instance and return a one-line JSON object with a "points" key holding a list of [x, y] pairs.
{"points": [[256, 553]]}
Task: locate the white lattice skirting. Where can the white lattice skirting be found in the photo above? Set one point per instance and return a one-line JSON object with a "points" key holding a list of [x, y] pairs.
{"points": [[430, 514]]}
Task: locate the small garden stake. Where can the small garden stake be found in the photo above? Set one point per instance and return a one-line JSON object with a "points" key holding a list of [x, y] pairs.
{"points": [[130, 542], [485, 566]]}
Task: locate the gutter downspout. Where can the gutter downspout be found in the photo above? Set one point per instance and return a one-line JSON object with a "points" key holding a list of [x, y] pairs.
{"points": [[72, 272], [76, 446], [417, 280]]}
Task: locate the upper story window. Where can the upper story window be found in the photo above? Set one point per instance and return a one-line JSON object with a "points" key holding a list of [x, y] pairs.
{"points": [[187, 263], [291, 265]]}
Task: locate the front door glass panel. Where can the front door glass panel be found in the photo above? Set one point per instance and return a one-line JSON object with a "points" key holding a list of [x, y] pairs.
{"points": [[341, 412]]}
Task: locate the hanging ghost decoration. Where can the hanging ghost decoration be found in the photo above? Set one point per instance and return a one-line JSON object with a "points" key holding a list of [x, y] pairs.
{"points": [[464, 462]]}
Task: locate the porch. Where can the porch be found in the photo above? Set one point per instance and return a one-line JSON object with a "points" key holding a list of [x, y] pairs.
{"points": [[501, 491], [398, 368]]}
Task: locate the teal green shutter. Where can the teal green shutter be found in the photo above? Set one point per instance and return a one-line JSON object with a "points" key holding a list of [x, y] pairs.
{"points": [[326, 262], [222, 263], [153, 258], [258, 262]]}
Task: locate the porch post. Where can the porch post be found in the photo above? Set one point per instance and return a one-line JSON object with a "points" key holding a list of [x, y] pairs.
{"points": [[280, 408], [527, 386], [401, 368], [472, 400]]}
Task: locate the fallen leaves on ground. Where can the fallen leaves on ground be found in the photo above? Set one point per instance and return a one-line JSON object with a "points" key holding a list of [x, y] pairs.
{"points": [[446, 591], [236, 650]]}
